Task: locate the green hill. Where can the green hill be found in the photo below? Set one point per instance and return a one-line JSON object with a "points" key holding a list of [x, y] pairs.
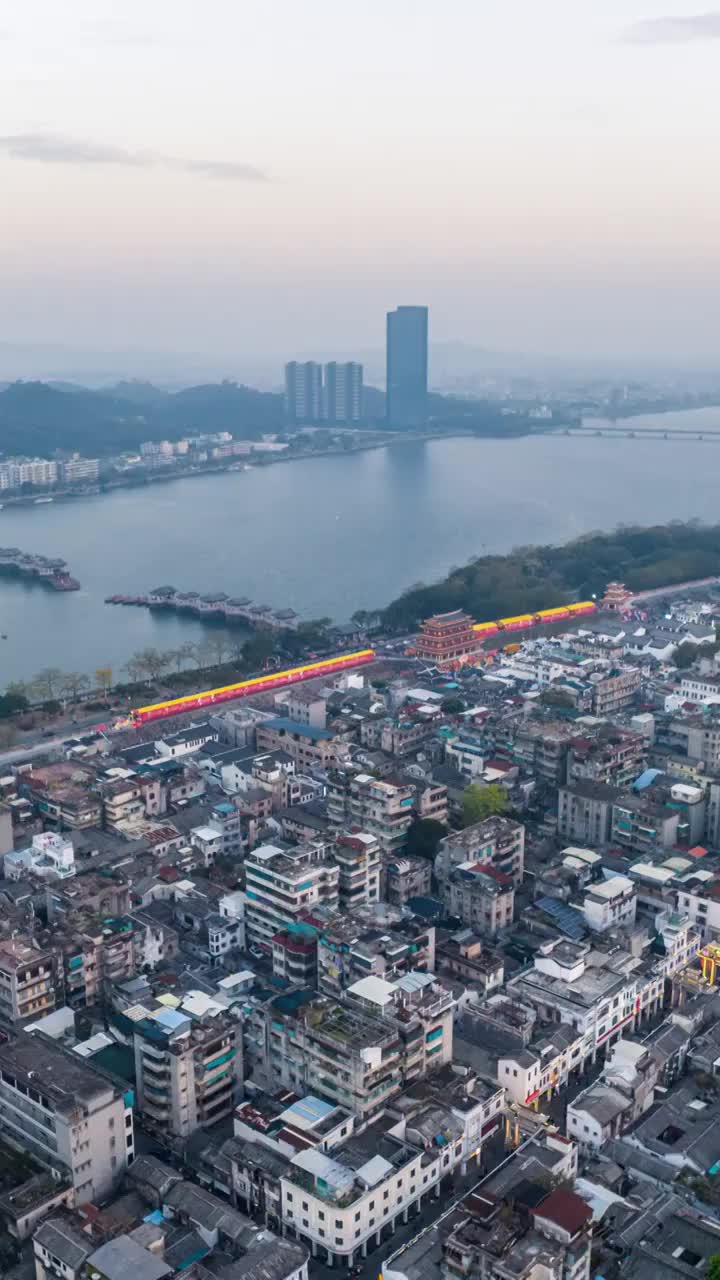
{"points": [[532, 578]]}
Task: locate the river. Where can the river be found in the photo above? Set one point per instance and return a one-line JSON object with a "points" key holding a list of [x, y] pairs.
{"points": [[329, 535]]}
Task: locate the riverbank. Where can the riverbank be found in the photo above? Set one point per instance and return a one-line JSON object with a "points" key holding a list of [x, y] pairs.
{"points": [[261, 460]]}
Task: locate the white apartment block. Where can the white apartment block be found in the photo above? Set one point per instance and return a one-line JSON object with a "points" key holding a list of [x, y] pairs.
{"points": [[70, 1118], [280, 883], [697, 688], [699, 899], [34, 471], [597, 996], [339, 1202], [610, 903]]}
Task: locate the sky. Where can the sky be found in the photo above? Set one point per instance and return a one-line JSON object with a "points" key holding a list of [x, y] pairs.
{"points": [[258, 179]]}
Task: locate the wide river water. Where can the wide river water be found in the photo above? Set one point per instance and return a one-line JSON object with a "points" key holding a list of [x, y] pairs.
{"points": [[330, 535]]}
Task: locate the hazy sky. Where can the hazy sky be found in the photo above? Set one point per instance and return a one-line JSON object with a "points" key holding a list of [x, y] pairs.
{"points": [[269, 176]]}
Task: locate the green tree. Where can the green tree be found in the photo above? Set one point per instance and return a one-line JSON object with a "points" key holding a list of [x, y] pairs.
{"points": [[258, 649], [479, 802], [12, 703], [453, 705], [557, 698], [18, 689], [424, 836], [685, 656], [237, 645], [712, 1270]]}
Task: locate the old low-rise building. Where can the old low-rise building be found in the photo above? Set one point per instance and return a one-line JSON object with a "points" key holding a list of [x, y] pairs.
{"points": [[309, 747], [491, 1241], [28, 981], [405, 877], [363, 1048], [481, 896], [497, 842], [585, 811]]}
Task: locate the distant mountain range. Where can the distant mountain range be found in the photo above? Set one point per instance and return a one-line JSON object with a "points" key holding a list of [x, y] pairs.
{"points": [[36, 418], [455, 367]]}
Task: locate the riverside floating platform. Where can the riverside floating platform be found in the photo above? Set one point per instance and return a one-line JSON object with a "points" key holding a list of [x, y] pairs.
{"points": [[215, 605], [210, 698], [51, 571]]}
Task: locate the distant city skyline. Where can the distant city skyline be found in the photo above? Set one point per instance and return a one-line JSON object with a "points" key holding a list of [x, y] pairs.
{"points": [[541, 176]]}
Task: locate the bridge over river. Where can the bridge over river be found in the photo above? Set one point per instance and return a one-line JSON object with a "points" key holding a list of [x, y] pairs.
{"points": [[642, 433]]}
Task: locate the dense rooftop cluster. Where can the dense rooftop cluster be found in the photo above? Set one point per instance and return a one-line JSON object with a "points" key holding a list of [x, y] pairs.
{"points": [[280, 988]]}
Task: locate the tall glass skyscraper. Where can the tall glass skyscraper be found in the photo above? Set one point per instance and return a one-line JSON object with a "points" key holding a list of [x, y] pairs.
{"points": [[407, 366]]}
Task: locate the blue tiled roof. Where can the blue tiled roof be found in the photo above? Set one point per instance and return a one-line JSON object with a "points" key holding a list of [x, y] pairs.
{"points": [[569, 920], [646, 779], [282, 723]]}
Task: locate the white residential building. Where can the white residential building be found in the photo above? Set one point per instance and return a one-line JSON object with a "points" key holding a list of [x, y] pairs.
{"points": [[697, 688], [209, 843], [50, 855], [610, 903], [281, 883], [67, 1116], [698, 897], [339, 1203], [600, 995]]}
